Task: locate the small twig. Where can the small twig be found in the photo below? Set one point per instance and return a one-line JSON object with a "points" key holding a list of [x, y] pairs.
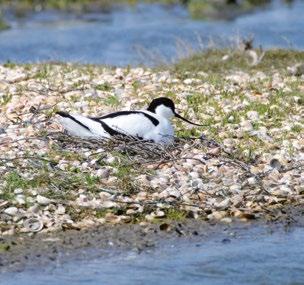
{"points": [[108, 191], [177, 159]]}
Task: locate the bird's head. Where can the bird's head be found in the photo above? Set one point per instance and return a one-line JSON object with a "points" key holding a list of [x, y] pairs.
{"points": [[164, 107]]}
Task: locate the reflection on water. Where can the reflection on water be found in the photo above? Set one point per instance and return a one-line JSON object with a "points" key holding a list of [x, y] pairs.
{"points": [[253, 256], [117, 38]]}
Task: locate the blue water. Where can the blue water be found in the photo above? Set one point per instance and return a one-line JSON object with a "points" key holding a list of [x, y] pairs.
{"points": [[251, 256], [144, 34]]}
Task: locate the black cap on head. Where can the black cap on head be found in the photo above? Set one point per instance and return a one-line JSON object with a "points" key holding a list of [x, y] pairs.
{"points": [[168, 103], [161, 101]]}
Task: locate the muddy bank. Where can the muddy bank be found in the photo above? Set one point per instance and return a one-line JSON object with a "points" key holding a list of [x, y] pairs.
{"points": [[27, 251]]}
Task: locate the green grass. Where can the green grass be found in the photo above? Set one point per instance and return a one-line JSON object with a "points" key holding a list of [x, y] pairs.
{"points": [[210, 61], [4, 247], [56, 185], [297, 129], [136, 85], [79, 84], [175, 215], [111, 101], [104, 87], [125, 173], [5, 99], [22, 7], [65, 154], [43, 71], [198, 9], [15, 180], [206, 9], [3, 24], [9, 64]]}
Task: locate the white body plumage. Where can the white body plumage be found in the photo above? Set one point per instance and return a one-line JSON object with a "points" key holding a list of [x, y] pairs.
{"points": [[152, 124], [133, 124]]}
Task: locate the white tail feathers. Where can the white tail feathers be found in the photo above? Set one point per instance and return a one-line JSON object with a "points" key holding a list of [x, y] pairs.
{"points": [[81, 126]]}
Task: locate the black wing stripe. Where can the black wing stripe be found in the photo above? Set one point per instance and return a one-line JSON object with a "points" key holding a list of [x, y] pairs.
{"points": [[67, 115], [112, 132], [109, 130], [154, 121]]}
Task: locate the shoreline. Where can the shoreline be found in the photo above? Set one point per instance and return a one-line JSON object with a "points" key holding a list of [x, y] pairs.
{"points": [[25, 252]]}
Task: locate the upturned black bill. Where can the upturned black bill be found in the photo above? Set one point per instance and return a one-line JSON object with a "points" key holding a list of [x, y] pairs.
{"points": [[180, 117]]}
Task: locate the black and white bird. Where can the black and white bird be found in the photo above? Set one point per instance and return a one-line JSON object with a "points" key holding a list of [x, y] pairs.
{"points": [[152, 124]]}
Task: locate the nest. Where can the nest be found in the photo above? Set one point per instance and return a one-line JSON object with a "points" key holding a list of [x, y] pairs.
{"points": [[136, 150]]}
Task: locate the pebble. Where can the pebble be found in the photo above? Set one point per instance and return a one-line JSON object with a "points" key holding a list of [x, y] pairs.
{"points": [[214, 151], [188, 81], [18, 191], [108, 204], [252, 181], [246, 126], [223, 204], [160, 214], [236, 188], [43, 200], [110, 160], [12, 211], [33, 225], [60, 210], [103, 173], [217, 215], [231, 119], [253, 116], [226, 220], [20, 199], [150, 217], [33, 209]]}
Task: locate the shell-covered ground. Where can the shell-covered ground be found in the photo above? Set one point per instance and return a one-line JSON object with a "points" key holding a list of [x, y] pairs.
{"points": [[247, 162]]}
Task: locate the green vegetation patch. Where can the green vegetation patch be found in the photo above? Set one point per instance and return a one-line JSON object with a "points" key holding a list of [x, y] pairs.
{"points": [[222, 9], [3, 24], [211, 61], [4, 247]]}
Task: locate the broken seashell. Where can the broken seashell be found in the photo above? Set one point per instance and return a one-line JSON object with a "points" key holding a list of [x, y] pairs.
{"points": [[11, 211], [160, 214], [33, 224], [214, 151], [44, 201]]}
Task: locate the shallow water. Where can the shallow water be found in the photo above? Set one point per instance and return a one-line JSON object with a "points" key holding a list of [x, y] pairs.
{"points": [[133, 35], [246, 256]]}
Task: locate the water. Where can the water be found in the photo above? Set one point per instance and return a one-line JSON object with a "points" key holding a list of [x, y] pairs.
{"points": [[134, 35], [253, 256]]}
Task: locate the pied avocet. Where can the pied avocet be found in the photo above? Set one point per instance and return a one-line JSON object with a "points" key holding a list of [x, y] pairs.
{"points": [[152, 124]]}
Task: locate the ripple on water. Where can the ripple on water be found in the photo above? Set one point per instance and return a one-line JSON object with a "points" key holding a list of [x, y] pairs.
{"points": [[254, 256]]}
